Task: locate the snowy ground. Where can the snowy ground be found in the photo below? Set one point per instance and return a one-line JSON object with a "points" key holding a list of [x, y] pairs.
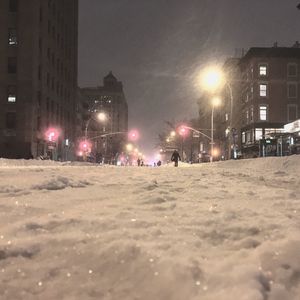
{"points": [[219, 231]]}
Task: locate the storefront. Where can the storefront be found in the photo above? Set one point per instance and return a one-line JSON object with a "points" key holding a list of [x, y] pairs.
{"points": [[293, 131]]}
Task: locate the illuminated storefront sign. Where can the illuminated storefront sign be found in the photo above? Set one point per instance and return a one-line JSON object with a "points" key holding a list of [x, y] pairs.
{"points": [[292, 127]]}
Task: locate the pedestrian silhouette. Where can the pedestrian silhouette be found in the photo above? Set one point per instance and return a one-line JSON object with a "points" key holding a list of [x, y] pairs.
{"points": [[175, 157]]}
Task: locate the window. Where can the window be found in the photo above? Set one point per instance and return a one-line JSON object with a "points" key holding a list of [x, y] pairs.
{"points": [[11, 120], [292, 90], [263, 112], [12, 94], [263, 70], [39, 98], [243, 137], [41, 14], [248, 137], [258, 134], [292, 70], [12, 65], [39, 72], [38, 123], [13, 5], [49, 27], [292, 112], [263, 90], [251, 114], [247, 97], [48, 80], [247, 116], [12, 37], [40, 45]]}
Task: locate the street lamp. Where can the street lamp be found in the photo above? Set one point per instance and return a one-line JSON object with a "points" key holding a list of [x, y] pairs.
{"points": [[216, 101], [213, 79], [102, 117], [129, 147], [173, 133]]}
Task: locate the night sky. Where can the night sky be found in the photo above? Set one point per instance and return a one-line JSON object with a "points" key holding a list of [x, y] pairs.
{"points": [[156, 48]]}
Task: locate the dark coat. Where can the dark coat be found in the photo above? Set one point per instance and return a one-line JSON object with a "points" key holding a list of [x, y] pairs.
{"points": [[175, 156]]}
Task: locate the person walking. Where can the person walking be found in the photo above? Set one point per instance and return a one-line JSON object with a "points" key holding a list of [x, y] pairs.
{"points": [[175, 157]]}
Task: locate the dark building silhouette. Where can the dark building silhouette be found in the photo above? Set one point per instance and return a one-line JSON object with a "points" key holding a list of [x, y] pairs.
{"points": [[108, 136], [270, 94], [38, 76]]}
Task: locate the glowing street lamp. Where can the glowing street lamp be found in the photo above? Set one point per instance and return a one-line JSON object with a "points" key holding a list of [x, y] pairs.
{"points": [[212, 79], [102, 117], [173, 133], [129, 147]]}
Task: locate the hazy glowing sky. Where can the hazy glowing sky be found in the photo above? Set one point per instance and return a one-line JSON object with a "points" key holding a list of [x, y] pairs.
{"points": [[156, 47]]}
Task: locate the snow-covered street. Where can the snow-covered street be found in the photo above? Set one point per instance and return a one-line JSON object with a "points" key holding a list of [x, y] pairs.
{"points": [[221, 231]]}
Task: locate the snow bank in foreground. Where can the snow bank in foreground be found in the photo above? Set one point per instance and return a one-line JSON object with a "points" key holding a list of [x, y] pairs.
{"points": [[221, 231]]}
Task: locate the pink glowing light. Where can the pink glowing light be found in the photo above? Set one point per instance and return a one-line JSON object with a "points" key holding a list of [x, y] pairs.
{"points": [[133, 135], [183, 131], [52, 134], [85, 146]]}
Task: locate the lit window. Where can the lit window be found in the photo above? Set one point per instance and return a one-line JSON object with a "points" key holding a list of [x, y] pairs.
{"points": [[263, 90], [263, 70], [248, 137], [243, 137], [258, 134], [247, 116], [12, 36], [292, 90], [292, 70], [263, 113], [11, 98], [11, 94]]}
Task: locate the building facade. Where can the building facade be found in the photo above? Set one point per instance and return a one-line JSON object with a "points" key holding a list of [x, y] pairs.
{"points": [[110, 135], [270, 95], [38, 77]]}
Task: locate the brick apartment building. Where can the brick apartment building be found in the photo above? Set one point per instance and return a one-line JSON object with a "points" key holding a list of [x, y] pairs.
{"points": [[270, 94], [38, 76], [110, 100]]}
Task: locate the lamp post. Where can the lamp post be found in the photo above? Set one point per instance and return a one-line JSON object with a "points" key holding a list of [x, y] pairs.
{"points": [[215, 102], [213, 79], [101, 117]]}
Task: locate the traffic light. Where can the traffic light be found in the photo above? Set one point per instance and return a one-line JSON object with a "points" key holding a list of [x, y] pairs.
{"points": [[52, 135]]}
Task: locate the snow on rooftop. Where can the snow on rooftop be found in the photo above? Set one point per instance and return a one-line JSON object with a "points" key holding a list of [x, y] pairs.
{"points": [[221, 231]]}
